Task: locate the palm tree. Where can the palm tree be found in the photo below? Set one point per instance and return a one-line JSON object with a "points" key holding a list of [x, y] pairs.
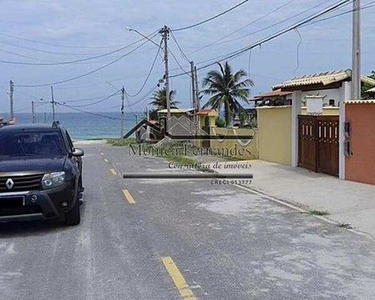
{"points": [[159, 99], [227, 89]]}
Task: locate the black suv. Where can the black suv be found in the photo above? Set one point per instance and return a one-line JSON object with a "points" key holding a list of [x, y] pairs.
{"points": [[40, 174]]}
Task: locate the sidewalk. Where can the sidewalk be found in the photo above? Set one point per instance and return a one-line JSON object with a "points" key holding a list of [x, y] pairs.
{"points": [[346, 202]]}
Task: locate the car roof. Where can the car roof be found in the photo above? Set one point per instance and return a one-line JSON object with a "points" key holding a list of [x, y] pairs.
{"points": [[29, 127]]}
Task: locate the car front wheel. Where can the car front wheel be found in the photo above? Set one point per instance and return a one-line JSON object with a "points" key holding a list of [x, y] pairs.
{"points": [[73, 217]]}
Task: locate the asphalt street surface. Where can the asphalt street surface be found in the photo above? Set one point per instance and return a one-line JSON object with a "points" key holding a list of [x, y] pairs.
{"points": [[180, 239]]}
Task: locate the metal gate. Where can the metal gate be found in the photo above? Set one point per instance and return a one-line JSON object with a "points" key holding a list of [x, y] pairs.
{"points": [[318, 143]]}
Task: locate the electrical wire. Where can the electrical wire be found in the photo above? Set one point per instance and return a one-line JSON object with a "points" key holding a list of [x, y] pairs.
{"points": [[85, 74], [28, 95], [29, 107], [366, 6], [143, 98], [257, 31], [20, 55], [178, 63], [298, 49], [269, 38], [87, 112], [179, 47], [212, 18], [243, 27], [148, 75], [73, 61], [96, 102], [57, 45], [85, 99], [41, 51]]}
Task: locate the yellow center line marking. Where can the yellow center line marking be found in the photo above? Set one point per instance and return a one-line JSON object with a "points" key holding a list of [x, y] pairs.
{"points": [[106, 160], [101, 153], [128, 196], [178, 279], [113, 171]]}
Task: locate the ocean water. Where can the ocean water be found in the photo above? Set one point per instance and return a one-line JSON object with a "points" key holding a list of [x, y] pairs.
{"points": [[85, 126]]}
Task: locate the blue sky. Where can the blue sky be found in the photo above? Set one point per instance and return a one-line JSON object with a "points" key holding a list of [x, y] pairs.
{"points": [[74, 29]]}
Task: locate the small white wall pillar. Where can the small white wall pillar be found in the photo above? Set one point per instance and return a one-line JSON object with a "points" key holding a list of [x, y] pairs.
{"points": [[296, 110], [345, 94]]}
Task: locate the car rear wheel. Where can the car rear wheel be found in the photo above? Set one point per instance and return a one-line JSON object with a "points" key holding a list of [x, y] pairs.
{"points": [[73, 217]]}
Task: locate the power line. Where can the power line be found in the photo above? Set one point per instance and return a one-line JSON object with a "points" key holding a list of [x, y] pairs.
{"points": [[20, 55], [42, 51], [142, 99], [72, 61], [366, 6], [243, 27], [85, 99], [29, 107], [58, 45], [178, 63], [212, 18], [148, 75], [87, 112], [96, 102], [273, 25], [88, 73], [271, 37], [179, 47], [259, 30], [80, 86]]}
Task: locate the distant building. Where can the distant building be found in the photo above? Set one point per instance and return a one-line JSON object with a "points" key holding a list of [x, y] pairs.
{"points": [[274, 98], [371, 93]]}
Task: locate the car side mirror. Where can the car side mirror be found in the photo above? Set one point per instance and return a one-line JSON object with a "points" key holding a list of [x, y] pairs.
{"points": [[78, 152]]}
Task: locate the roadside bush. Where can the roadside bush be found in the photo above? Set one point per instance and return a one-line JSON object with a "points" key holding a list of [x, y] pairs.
{"points": [[220, 123]]}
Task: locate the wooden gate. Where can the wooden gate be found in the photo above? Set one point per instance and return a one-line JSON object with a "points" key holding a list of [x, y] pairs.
{"points": [[318, 145]]}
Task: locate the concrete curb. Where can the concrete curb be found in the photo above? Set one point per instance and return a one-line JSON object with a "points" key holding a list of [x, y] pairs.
{"points": [[301, 209], [292, 206]]}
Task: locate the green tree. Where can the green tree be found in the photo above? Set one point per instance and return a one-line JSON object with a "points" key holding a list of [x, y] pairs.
{"points": [[159, 99], [226, 90], [366, 86], [220, 122]]}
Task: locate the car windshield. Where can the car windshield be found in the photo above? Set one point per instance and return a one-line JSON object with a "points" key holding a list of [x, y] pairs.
{"points": [[31, 144]]}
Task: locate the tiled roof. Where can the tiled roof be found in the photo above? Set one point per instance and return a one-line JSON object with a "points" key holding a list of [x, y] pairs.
{"points": [[176, 110], [371, 90], [204, 112], [276, 93], [322, 78], [372, 101]]}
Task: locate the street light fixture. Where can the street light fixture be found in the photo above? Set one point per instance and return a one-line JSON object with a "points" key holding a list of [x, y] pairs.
{"points": [[142, 35]]}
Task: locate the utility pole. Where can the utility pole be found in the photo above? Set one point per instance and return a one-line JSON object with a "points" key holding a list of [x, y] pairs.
{"points": [[165, 33], [53, 105], [356, 68], [194, 95], [11, 92], [45, 117], [33, 112], [122, 111], [148, 127], [197, 89]]}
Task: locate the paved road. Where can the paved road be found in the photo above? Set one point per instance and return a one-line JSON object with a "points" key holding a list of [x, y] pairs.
{"points": [[167, 239]]}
